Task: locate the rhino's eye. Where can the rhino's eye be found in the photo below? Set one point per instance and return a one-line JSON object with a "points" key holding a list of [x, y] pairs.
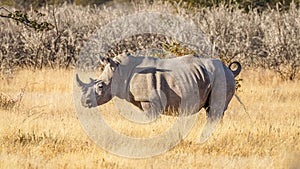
{"points": [[100, 86]]}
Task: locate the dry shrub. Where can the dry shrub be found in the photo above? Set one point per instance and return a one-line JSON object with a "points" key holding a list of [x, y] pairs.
{"points": [[267, 39], [7, 102]]}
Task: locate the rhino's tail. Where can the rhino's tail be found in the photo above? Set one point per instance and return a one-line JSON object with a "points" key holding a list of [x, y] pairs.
{"points": [[237, 70]]}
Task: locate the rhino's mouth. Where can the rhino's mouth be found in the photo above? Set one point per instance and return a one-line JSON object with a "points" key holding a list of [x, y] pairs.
{"points": [[88, 103], [92, 104]]}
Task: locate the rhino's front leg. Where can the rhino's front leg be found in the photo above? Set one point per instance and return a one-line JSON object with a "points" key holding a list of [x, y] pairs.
{"points": [[151, 110], [152, 106]]}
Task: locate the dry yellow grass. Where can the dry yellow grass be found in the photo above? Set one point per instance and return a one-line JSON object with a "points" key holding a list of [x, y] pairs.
{"points": [[45, 133]]}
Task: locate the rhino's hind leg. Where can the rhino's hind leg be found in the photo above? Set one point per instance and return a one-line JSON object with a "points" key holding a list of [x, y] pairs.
{"points": [[216, 105], [214, 113], [209, 128]]}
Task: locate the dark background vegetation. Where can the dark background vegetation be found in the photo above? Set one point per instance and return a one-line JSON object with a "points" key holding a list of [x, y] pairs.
{"points": [[50, 33], [244, 4]]}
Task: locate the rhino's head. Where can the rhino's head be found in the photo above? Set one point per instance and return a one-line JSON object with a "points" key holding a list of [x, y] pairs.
{"points": [[98, 91]]}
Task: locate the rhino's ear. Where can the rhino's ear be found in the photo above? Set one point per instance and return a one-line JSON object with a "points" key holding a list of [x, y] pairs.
{"points": [[103, 60], [117, 60], [113, 63]]}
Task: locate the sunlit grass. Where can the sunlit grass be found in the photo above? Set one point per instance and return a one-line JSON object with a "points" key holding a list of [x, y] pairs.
{"points": [[44, 132]]}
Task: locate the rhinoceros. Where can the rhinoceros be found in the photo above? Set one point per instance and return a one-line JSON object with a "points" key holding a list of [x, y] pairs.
{"points": [[153, 85]]}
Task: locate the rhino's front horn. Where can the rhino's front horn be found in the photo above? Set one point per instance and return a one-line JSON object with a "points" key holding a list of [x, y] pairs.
{"points": [[79, 82]]}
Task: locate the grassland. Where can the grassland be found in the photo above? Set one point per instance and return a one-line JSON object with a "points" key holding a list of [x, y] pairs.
{"points": [[43, 132]]}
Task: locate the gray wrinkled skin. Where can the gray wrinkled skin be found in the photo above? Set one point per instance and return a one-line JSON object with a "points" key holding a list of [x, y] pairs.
{"points": [[200, 82]]}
